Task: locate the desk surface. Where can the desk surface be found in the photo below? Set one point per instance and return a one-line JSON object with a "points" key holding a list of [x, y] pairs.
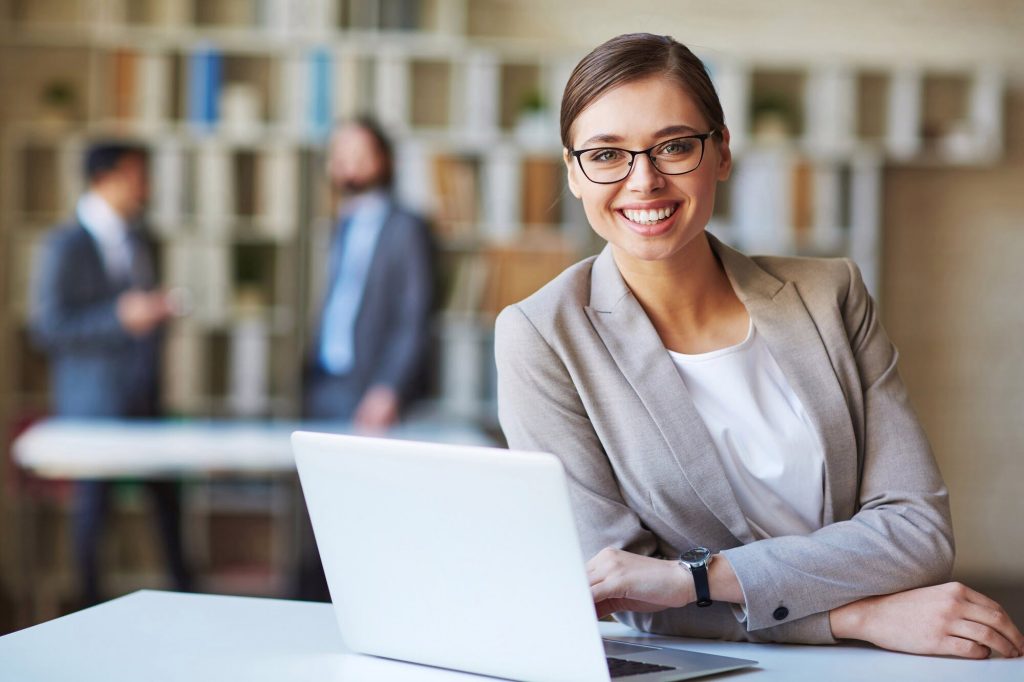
{"points": [[110, 448], [163, 636]]}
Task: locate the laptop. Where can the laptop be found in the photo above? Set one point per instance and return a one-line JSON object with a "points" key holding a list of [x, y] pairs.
{"points": [[465, 558]]}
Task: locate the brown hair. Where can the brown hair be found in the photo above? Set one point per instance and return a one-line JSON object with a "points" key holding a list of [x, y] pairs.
{"points": [[631, 57]]}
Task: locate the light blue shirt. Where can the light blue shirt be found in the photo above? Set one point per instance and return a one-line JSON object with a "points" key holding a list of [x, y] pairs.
{"points": [[352, 254]]}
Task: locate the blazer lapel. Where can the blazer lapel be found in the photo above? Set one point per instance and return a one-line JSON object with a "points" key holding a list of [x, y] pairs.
{"points": [[637, 349], [782, 319]]}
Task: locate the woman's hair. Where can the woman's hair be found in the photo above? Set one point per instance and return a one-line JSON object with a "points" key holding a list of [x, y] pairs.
{"points": [[631, 57]]}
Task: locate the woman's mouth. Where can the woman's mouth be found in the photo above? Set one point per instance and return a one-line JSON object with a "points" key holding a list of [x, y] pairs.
{"points": [[647, 218]]}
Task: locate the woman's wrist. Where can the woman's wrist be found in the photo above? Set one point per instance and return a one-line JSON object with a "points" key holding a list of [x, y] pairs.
{"points": [[725, 587], [847, 621], [684, 592]]}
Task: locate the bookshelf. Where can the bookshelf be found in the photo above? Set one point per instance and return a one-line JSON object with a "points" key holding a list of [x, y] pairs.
{"points": [[234, 99]]}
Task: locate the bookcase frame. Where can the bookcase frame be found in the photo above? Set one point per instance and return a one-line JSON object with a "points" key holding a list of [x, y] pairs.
{"points": [[825, 171]]}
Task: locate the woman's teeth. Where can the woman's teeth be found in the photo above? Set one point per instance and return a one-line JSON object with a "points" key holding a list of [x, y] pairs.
{"points": [[648, 217]]}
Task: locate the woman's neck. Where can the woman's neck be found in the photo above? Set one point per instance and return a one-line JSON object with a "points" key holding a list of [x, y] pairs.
{"points": [[689, 298]]}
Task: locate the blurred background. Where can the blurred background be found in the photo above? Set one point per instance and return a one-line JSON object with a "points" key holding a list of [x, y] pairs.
{"points": [[891, 132]]}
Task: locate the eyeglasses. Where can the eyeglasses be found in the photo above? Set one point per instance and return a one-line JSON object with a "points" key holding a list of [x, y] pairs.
{"points": [[608, 165]]}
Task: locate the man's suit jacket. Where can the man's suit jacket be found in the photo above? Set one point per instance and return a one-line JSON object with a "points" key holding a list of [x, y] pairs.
{"points": [[392, 330], [583, 374], [97, 369]]}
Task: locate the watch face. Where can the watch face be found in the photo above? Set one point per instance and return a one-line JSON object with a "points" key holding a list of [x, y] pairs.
{"points": [[696, 555]]}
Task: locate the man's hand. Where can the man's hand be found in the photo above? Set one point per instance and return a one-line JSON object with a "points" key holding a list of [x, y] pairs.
{"points": [[944, 620], [378, 409], [140, 312], [622, 581]]}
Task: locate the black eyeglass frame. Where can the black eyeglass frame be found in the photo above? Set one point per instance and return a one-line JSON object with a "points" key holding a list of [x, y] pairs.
{"points": [[632, 156]]}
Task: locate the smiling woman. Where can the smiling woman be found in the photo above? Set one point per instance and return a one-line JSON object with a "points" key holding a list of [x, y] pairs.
{"points": [[743, 460]]}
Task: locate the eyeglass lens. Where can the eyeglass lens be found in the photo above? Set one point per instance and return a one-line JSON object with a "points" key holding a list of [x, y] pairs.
{"points": [[674, 157]]}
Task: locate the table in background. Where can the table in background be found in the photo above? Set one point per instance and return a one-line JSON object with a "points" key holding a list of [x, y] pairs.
{"points": [[253, 457], [163, 636], [114, 448]]}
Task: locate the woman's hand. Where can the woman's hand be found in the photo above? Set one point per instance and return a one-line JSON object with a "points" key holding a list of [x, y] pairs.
{"points": [[622, 581], [945, 620]]}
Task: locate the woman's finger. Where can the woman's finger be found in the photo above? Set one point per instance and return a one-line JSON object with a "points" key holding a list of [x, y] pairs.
{"points": [[964, 648], [975, 597], [996, 619], [984, 635], [603, 590]]}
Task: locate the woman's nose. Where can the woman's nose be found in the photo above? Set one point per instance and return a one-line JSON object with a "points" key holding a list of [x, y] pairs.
{"points": [[644, 176]]}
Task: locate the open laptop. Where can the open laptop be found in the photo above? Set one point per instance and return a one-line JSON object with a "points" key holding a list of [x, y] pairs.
{"points": [[465, 558]]}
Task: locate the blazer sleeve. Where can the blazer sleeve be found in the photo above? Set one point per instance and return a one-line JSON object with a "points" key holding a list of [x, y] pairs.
{"points": [[901, 535], [539, 408], [57, 321], [406, 345]]}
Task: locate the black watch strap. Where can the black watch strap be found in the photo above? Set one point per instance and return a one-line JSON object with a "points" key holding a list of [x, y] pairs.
{"points": [[696, 560], [700, 584]]}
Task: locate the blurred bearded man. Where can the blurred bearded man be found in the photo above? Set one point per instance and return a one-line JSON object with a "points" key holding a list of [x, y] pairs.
{"points": [[368, 358]]}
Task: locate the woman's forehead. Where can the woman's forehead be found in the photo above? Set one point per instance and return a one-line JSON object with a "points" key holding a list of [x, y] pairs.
{"points": [[637, 111]]}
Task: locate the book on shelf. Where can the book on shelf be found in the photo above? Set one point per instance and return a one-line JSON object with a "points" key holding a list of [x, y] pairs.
{"points": [[239, 107], [125, 95], [762, 202], [153, 105], [277, 192], [480, 95], [204, 85], [802, 200], [456, 184], [27, 249], [502, 195], [248, 373], [168, 186], [468, 284], [542, 190], [214, 188], [307, 83], [463, 358], [320, 107], [517, 271], [244, 172], [183, 368], [295, 16]]}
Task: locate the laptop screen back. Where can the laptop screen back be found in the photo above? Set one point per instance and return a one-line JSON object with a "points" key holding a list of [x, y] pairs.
{"points": [[459, 557]]}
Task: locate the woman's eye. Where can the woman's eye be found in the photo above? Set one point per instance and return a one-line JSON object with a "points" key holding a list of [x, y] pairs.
{"points": [[604, 155], [678, 147]]}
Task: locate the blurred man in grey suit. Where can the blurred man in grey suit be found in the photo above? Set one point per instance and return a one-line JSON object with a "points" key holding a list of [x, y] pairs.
{"points": [[368, 358], [98, 313]]}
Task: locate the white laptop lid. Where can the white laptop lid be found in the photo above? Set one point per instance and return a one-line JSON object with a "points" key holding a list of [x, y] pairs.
{"points": [[453, 556]]}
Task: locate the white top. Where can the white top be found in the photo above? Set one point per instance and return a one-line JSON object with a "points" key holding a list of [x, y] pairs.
{"points": [[167, 637], [772, 455], [109, 230]]}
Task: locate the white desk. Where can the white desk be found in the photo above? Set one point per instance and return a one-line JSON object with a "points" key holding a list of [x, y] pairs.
{"points": [[197, 450], [162, 636], [69, 448]]}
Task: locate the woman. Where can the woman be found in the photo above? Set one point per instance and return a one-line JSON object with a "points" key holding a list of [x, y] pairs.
{"points": [[699, 398]]}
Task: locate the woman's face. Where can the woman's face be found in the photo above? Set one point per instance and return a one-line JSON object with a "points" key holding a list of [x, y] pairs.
{"points": [[638, 115]]}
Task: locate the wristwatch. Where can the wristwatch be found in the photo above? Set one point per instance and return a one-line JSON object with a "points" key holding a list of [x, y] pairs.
{"points": [[696, 561]]}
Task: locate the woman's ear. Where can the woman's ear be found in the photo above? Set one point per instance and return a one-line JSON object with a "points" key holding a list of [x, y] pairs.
{"points": [[724, 155], [571, 172]]}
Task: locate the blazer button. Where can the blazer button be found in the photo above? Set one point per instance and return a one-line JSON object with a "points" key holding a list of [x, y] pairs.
{"points": [[780, 613]]}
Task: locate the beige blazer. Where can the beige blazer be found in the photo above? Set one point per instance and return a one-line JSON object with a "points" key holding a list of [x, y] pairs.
{"points": [[583, 374]]}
